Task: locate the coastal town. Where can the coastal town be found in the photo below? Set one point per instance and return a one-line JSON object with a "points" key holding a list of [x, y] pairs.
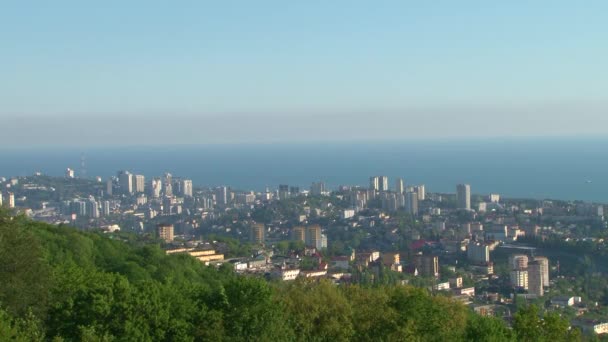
{"points": [[491, 253]]}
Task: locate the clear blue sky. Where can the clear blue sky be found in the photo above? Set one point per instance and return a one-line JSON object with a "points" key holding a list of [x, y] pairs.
{"points": [[429, 68]]}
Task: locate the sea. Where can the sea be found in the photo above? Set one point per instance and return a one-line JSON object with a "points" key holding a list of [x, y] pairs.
{"points": [[539, 168]]}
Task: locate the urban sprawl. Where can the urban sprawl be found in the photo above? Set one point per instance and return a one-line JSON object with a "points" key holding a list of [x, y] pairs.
{"points": [[492, 253]]}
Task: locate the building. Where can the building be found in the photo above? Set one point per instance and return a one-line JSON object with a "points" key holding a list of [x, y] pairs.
{"points": [[313, 236], [463, 196], [318, 188], [494, 198], [591, 326], [165, 232], [455, 283], [283, 191], [221, 196], [411, 203], [286, 274], [427, 265], [535, 278], [544, 263], [399, 186], [421, 191], [378, 183], [187, 189], [156, 187], [518, 261], [139, 183], [125, 181], [565, 301], [519, 279], [478, 253], [10, 198], [203, 255], [298, 234], [105, 208], [383, 182], [92, 208], [389, 259], [258, 233], [110, 187], [168, 184], [69, 173]]}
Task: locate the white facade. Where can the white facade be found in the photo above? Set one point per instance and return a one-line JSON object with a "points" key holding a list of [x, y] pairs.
{"points": [[187, 187], [421, 191], [519, 278], [139, 183]]}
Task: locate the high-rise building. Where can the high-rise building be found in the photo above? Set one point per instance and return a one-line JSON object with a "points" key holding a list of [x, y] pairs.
{"points": [[535, 278], [478, 253], [378, 183], [494, 198], [92, 208], [125, 180], [463, 196], [298, 234], [411, 203], [69, 173], [313, 236], [78, 207], [221, 196], [168, 184], [421, 191], [105, 208], [518, 261], [519, 278], [110, 187], [165, 232], [10, 199], [389, 201], [383, 183], [257, 234], [187, 187], [544, 265], [317, 189], [139, 183], [374, 183], [283, 191], [156, 187], [399, 186], [427, 265]]}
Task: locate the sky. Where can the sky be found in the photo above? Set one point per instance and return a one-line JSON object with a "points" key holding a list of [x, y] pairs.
{"points": [[149, 72]]}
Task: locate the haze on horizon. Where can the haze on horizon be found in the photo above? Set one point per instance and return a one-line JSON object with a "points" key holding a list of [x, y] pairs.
{"points": [[141, 72]]}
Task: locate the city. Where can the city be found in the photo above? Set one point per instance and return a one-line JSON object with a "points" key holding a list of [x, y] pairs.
{"points": [[491, 253]]}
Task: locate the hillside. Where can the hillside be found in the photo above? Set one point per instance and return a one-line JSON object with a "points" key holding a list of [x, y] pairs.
{"points": [[62, 284]]}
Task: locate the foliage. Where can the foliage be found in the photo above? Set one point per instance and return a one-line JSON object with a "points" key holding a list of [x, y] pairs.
{"points": [[66, 285]]}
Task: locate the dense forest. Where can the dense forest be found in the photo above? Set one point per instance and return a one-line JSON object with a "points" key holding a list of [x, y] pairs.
{"points": [[61, 284]]}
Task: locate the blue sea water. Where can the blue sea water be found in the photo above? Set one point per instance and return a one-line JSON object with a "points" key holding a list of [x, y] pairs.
{"points": [[569, 169]]}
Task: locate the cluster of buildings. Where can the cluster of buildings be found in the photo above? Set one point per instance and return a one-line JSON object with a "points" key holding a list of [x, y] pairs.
{"points": [[529, 273]]}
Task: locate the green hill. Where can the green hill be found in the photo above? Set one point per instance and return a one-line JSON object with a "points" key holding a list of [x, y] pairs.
{"points": [[60, 284]]}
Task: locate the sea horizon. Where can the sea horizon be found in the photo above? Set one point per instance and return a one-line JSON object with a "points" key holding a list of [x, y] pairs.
{"points": [[558, 168]]}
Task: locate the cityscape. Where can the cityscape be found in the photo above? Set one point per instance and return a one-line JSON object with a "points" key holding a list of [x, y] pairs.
{"points": [[303, 171], [488, 252]]}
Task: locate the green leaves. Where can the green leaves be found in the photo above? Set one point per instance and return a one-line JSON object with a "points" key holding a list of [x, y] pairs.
{"points": [[62, 284]]}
